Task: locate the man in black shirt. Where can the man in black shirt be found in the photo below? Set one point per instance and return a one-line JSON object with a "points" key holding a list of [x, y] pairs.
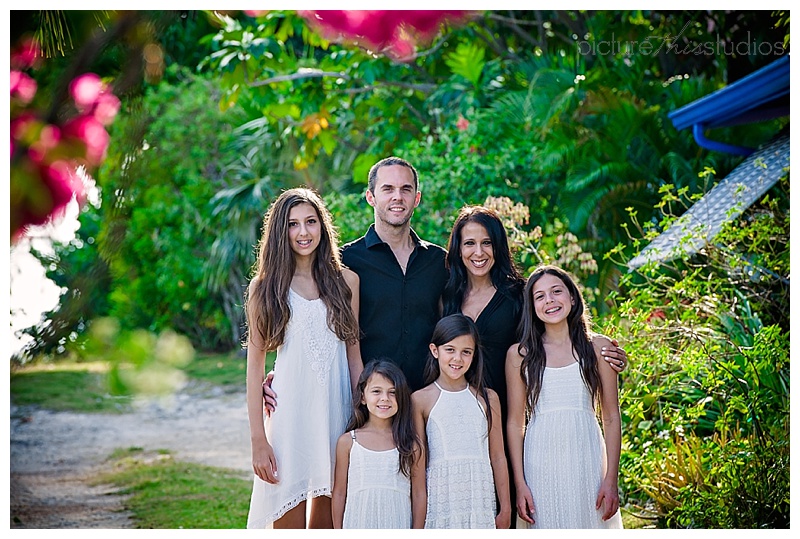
{"points": [[402, 276]]}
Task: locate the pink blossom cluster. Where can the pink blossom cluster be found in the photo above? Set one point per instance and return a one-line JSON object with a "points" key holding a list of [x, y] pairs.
{"points": [[45, 157], [395, 33]]}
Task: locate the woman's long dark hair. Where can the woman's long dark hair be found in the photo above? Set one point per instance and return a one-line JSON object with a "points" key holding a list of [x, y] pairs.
{"points": [[531, 345], [405, 438], [447, 329], [505, 276], [267, 307]]}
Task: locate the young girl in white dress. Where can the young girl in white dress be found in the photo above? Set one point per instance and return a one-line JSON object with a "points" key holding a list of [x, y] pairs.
{"points": [[371, 486], [565, 471], [458, 422], [303, 303]]}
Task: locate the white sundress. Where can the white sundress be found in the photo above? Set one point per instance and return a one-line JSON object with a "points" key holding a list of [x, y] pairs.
{"points": [[459, 478], [378, 494], [564, 455], [312, 381]]}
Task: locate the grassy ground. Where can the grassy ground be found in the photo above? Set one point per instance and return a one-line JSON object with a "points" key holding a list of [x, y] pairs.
{"points": [[82, 387], [78, 387], [168, 494]]}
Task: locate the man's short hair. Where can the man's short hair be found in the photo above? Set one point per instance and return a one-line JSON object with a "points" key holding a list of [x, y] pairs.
{"points": [[389, 161]]}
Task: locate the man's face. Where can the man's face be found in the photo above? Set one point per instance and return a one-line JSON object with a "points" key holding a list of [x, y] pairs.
{"points": [[395, 195]]}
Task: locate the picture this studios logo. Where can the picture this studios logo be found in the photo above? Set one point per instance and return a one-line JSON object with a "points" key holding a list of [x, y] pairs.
{"points": [[677, 44]]}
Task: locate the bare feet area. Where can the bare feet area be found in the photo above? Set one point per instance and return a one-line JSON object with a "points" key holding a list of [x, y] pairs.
{"points": [[55, 455]]}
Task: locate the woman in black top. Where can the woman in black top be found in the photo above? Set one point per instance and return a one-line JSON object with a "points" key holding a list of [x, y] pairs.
{"points": [[485, 285]]}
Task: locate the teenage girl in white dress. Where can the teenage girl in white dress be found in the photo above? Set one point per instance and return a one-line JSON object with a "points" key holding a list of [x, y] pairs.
{"points": [[303, 303], [565, 468]]}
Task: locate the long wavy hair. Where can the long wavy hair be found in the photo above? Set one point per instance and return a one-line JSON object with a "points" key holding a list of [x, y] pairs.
{"points": [[532, 329], [451, 327], [405, 438], [505, 276], [267, 307]]}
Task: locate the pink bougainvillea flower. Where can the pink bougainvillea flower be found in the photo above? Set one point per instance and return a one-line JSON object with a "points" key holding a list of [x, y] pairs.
{"points": [[26, 54], [63, 182], [92, 134], [23, 87], [49, 138], [255, 12], [25, 127], [462, 124], [395, 33], [85, 90], [106, 108]]}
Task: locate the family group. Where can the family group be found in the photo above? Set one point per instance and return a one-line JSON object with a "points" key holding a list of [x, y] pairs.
{"points": [[418, 387]]}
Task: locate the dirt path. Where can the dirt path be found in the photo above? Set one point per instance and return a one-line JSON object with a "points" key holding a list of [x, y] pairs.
{"points": [[54, 454]]}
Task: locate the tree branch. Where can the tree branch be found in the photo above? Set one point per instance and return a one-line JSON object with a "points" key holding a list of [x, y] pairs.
{"points": [[512, 20], [306, 73], [512, 23], [302, 73]]}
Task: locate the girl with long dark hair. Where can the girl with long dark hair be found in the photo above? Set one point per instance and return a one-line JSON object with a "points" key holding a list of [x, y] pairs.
{"points": [[303, 303], [565, 467], [371, 486], [456, 419]]}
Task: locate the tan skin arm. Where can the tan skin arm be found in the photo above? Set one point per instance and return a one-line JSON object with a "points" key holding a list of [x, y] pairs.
{"points": [[421, 406], [265, 465], [354, 361], [339, 493], [608, 496], [497, 457], [515, 431]]}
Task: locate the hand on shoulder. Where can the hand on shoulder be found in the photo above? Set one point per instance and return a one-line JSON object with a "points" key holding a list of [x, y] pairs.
{"points": [[350, 277]]}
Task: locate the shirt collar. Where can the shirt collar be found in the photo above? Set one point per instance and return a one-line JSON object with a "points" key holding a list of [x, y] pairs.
{"points": [[372, 239]]}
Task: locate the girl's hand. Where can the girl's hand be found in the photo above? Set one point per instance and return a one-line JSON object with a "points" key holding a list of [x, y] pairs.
{"points": [[608, 497], [264, 464], [615, 356], [270, 397], [525, 507], [503, 519]]}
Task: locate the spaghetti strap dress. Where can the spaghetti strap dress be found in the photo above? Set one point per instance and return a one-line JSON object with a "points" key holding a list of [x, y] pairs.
{"points": [[378, 494], [564, 454], [459, 478], [313, 381]]}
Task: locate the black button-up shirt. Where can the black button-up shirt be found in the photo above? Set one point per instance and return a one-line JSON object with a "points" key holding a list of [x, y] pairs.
{"points": [[397, 311]]}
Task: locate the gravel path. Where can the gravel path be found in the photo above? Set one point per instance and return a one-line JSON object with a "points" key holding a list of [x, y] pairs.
{"points": [[54, 454]]}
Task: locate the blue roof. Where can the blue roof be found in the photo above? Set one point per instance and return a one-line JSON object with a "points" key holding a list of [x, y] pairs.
{"points": [[753, 98], [726, 201]]}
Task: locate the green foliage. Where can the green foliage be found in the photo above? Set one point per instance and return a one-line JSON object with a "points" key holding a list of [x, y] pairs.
{"points": [[468, 61], [156, 198], [140, 362], [706, 404], [77, 268], [168, 494]]}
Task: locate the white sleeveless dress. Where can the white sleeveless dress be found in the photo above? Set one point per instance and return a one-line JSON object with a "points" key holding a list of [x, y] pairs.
{"points": [[378, 494], [460, 478], [312, 381], [564, 455]]}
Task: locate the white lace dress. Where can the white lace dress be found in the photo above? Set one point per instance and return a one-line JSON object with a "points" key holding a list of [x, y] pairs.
{"points": [[378, 494], [460, 479], [312, 381], [564, 454]]}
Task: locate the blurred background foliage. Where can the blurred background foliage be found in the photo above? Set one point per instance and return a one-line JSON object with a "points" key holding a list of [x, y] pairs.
{"points": [[520, 110]]}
